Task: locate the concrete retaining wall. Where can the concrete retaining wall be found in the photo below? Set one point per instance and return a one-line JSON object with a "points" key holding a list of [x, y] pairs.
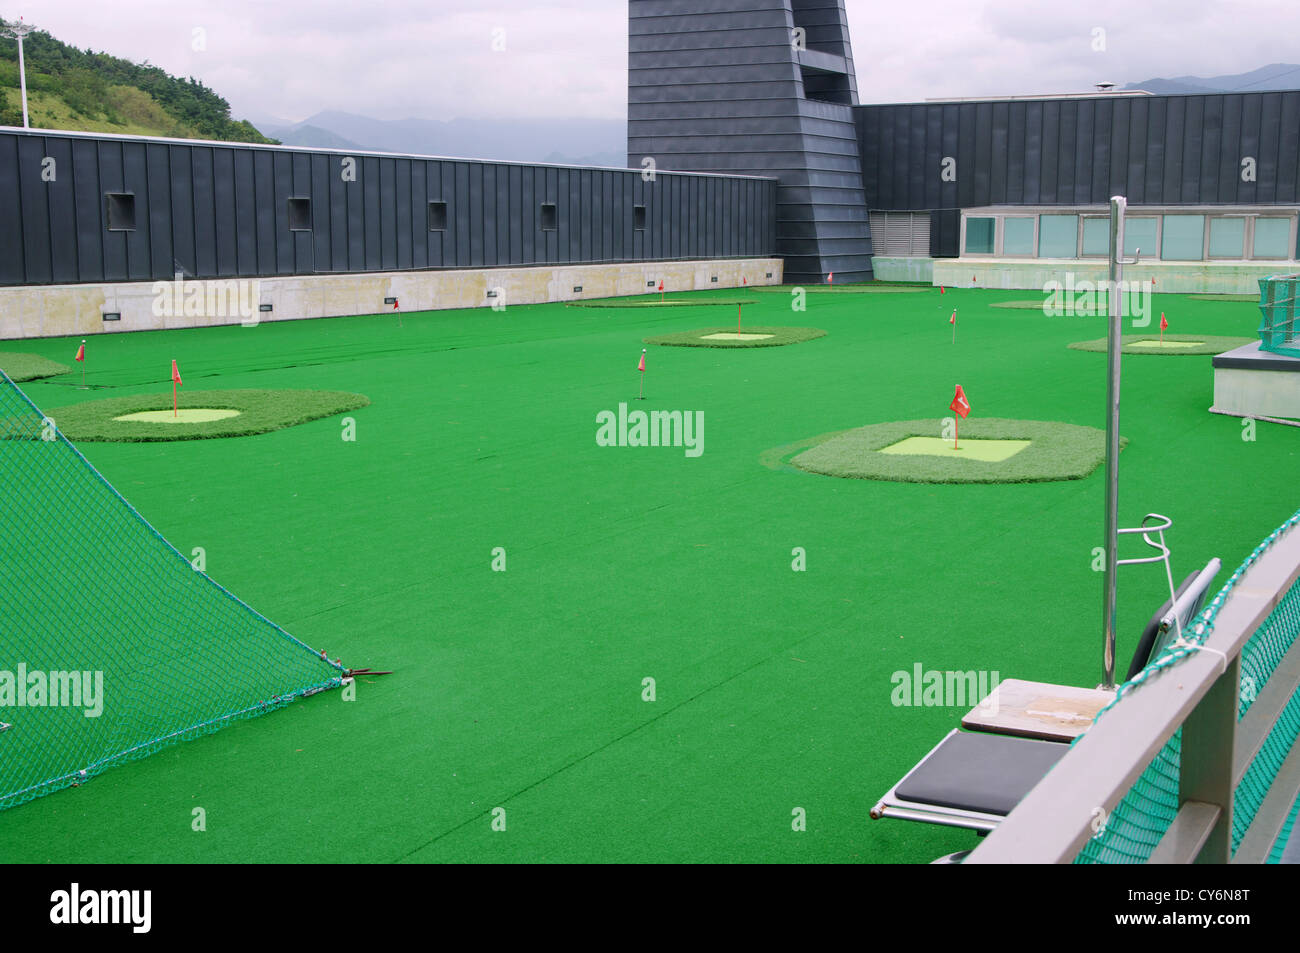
{"points": [[62, 310]]}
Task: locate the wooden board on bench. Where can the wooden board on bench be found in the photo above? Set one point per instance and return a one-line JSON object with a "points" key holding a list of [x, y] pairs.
{"points": [[1037, 710]]}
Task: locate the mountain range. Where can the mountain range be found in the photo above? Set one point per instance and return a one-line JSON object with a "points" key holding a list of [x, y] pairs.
{"points": [[563, 141], [1273, 76]]}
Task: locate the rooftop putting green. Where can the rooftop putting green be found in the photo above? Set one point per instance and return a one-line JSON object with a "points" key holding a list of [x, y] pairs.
{"points": [[201, 414], [523, 689], [746, 336], [1184, 344]]}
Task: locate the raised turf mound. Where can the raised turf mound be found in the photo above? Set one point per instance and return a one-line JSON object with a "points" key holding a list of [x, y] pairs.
{"points": [[1173, 344], [202, 414], [728, 337], [996, 450], [29, 367]]}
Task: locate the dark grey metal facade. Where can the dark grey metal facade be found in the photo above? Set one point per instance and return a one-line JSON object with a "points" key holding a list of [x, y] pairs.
{"points": [[1155, 150], [720, 86], [217, 210]]}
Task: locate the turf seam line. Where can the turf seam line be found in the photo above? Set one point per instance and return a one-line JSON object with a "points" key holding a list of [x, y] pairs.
{"points": [[613, 741]]}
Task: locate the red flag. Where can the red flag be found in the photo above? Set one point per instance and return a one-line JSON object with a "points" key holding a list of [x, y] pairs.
{"points": [[972, 278], [1163, 323], [830, 279], [941, 289], [81, 352], [1153, 281], [176, 374], [960, 405], [394, 304], [661, 284], [953, 319], [641, 367], [744, 280]]}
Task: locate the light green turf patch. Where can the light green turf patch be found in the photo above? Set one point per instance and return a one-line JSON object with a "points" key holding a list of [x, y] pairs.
{"points": [[1253, 299], [726, 337], [1047, 451], [29, 367], [180, 415], [1174, 344], [255, 411], [645, 302], [990, 451]]}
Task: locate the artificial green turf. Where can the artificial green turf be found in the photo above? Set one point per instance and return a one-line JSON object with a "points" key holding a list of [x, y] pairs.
{"points": [[523, 689], [699, 337], [1057, 451], [29, 367], [260, 411], [1132, 344]]}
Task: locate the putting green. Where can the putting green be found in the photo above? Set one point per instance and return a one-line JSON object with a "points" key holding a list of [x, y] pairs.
{"points": [[907, 451], [990, 451], [727, 337], [202, 414], [1173, 344], [189, 415]]}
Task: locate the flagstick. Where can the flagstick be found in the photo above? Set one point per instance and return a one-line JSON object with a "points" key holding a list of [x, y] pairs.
{"points": [[740, 309], [174, 397], [956, 430]]}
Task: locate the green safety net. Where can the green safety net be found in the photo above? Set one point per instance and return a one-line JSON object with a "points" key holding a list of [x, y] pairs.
{"points": [[1140, 820], [1279, 326], [111, 644]]}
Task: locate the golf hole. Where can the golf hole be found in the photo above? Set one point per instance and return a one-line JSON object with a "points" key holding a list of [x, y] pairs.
{"points": [[986, 451], [186, 415]]}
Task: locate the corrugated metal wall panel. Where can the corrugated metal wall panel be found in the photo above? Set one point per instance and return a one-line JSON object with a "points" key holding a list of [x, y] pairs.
{"points": [[222, 210], [1156, 150]]}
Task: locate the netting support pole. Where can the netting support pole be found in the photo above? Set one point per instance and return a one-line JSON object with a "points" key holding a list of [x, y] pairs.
{"points": [[1208, 758], [1114, 346]]}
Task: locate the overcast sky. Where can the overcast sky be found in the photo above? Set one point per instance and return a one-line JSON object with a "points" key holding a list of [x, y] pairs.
{"points": [[568, 58]]}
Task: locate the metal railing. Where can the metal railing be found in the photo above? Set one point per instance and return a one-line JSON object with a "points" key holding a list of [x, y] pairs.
{"points": [[1200, 694]]}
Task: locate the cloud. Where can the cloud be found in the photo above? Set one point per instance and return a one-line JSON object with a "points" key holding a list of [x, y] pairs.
{"points": [[568, 58]]}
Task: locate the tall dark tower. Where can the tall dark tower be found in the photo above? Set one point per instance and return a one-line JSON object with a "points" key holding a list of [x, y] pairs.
{"points": [[757, 87]]}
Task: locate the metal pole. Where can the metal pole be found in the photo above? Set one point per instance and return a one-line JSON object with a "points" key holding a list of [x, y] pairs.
{"points": [[1114, 342], [22, 78], [18, 30]]}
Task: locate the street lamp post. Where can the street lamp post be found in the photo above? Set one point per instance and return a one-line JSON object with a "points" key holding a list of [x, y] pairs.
{"points": [[18, 31]]}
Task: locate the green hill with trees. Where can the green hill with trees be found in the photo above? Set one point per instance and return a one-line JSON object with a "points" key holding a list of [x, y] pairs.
{"points": [[81, 90]]}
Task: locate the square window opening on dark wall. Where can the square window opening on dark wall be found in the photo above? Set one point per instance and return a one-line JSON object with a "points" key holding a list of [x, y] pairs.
{"points": [[437, 216], [300, 215], [550, 218], [638, 217], [119, 211]]}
